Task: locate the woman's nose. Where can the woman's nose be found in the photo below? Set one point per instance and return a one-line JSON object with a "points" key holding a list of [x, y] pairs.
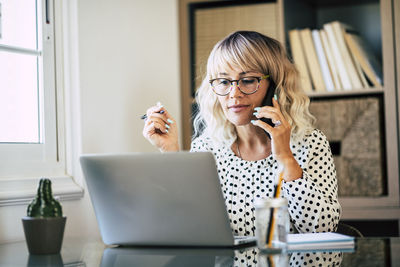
{"points": [[235, 91]]}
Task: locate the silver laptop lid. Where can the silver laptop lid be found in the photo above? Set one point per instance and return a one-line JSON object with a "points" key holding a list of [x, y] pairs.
{"points": [[172, 199]]}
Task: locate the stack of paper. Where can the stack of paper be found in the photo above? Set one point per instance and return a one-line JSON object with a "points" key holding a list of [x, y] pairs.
{"points": [[320, 241]]}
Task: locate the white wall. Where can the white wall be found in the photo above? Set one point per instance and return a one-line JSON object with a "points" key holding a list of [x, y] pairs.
{"points": [[128, 60]]}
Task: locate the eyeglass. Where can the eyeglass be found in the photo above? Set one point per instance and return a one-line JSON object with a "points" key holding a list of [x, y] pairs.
{"points": [[246, 85]]}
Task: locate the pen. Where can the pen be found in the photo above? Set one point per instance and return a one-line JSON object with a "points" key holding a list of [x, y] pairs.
{"points": [[271, 225], [143, 117]]}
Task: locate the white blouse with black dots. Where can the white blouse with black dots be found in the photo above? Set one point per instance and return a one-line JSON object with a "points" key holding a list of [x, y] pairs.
{"points": [[312, 199]]}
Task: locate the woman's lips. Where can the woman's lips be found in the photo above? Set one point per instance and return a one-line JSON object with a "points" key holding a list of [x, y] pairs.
{"points": [[238, 108]]}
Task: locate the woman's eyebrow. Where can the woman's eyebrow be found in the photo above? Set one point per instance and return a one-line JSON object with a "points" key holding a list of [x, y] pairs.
{"points": [[247, 72], [240, 74]]}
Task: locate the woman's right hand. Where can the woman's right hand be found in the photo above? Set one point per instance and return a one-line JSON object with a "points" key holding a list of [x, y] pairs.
{"points": [[161, 129]]}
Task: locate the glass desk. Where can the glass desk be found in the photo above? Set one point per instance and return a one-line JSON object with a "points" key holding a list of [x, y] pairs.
{"points": [[79, 252]]}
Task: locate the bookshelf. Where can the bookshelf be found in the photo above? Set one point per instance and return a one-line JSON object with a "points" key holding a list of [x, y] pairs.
{"points": [[374, 20], [378, 22]]}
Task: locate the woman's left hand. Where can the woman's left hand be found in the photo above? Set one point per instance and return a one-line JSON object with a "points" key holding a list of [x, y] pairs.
{"points": [[280, 139]]}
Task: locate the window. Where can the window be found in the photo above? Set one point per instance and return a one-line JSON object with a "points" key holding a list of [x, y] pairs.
{"points": [[31, 143], [21, 56], [28, 138], [39, 132]]}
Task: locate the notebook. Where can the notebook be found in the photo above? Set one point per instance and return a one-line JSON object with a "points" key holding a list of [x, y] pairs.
{"points": [[159, 199], [320, 241]]}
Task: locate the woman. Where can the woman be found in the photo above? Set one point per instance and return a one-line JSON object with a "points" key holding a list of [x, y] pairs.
{"points": [[241, 69]]}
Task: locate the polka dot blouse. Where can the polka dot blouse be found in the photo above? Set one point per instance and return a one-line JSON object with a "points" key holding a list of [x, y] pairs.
{"points": [[312, 199], [251, 257]]}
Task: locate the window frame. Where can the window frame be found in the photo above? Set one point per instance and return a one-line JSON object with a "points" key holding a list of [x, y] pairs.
{"points": [[57, 157]]}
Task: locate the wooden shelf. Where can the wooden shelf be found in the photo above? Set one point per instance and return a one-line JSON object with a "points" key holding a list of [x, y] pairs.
{"points": [[327, 3], [359, 92]]}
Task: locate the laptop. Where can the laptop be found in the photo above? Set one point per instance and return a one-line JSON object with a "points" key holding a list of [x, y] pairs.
{"points": [[159, 199]]}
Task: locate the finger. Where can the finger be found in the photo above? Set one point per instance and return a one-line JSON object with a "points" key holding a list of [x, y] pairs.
{"points": [[147, 122], [163, 120], [154, 124], [267, 108], [159, 127], [267, 111], [275, 103], [158, 117], [269, 129], [160, 110], [275, 108], [151, 118], [153, 109], [159, 123], [149, 130], [269, 114], [167, 117]]}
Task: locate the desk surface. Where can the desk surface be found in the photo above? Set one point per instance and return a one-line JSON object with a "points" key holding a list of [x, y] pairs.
{"points": [[78, 252]]}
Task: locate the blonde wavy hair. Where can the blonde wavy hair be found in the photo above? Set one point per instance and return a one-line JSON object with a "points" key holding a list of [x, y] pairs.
{"points": [[247, 50]]}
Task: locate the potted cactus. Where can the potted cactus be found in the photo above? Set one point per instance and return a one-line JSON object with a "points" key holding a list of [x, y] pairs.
{"points": [[44, 224]]}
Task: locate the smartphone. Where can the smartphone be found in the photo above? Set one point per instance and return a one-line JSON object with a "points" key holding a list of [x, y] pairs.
{"points": [[268, 102]]}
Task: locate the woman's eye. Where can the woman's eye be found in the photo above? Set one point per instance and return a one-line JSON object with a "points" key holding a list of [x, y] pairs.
{"points": [[223, 82], [249, 80]]}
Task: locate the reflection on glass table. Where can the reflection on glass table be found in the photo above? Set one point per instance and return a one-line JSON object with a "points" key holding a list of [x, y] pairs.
{"points": [[163, 257], [78, 252]]}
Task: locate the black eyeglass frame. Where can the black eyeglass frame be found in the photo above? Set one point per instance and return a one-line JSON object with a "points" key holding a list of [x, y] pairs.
{"points": [[237, 82]]}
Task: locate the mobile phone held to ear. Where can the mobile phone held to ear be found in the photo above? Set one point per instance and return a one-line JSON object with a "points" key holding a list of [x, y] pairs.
{"points": [[268, 101]]}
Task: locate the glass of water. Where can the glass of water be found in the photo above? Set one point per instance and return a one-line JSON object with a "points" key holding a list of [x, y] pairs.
{"points": [[272, 224]]}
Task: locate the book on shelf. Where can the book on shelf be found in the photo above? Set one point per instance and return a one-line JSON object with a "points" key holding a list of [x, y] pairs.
{"points": [[334, 58], [357, 65], [326, 72], [312, 60], [359, 71], [299, 59], [351, 59], [331, 60], [364, 56], [339, 30], [340, 65]]}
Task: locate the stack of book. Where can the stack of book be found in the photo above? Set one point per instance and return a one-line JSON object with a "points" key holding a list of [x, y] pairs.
{"points": [[334, 58], [320, 242]]}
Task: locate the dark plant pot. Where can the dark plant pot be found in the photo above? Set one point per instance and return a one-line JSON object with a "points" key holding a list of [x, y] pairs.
{"points": [[44, 235]]}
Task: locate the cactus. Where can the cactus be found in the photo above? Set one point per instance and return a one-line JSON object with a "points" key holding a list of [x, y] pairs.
{"points": [[44, 205]]}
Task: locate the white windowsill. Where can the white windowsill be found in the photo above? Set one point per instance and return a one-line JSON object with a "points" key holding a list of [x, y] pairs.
{"points": [[22, 191]]}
